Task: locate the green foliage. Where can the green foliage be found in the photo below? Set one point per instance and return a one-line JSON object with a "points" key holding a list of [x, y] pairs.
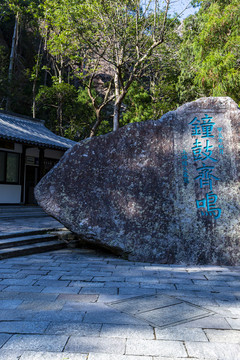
{"points": [[138, 104], [210, 53], [77, 111], [70, 52]]}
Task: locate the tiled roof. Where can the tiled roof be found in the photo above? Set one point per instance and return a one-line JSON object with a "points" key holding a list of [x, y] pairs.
{"points": [[31, 131]]}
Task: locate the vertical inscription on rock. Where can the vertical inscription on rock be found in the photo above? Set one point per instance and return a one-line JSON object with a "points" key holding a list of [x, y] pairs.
{"points": [[202, 131]]}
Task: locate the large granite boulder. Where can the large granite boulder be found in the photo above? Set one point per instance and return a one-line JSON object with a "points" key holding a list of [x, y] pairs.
{"points": [[166, 191]]}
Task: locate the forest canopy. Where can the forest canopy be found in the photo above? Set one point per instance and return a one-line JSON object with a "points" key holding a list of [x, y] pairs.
{"points": [[88, 67]]}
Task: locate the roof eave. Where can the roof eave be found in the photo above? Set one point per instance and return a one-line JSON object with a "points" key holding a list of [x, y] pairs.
{"points": [[39, 144]]}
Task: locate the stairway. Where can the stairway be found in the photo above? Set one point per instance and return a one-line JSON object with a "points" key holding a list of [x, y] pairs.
{"points": [[20, 211], [29, 242]]}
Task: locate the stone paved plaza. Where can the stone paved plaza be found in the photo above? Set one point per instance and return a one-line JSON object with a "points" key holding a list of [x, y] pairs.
{"points": [[86, 304]]}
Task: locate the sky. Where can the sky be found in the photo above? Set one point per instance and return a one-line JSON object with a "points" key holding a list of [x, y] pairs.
{"points": [[179, 5], [182, 7]]}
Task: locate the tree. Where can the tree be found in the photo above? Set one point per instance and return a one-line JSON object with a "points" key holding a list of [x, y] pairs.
{"points": [[119, 38], [214, 49], [73, 119]]}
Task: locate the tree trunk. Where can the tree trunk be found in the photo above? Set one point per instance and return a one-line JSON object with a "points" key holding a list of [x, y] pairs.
{"points": [[116, 114], [117, 104], [11, 61], [97, 123]]}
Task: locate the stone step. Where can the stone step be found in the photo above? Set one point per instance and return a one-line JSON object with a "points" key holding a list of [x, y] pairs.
{"points": [[15, 234], [21, 212], [31, 249], [25, 240]]}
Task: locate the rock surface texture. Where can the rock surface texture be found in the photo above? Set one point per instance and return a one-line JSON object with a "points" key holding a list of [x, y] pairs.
{"points": [[165, 190]]}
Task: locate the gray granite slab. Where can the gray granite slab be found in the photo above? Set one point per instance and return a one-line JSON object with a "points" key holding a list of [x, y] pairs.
{"points": [[10, 354], [136, 305], [213, 351], [44, 355], [155, 348], [127, 331], [73, 328], [91, 298], [161, 310], [23, 327], [9, 304], [96, 345], [36, 342], [58, 316], [98, 356], [4, 338], [223, 336], [60, 290], [180, 333]]}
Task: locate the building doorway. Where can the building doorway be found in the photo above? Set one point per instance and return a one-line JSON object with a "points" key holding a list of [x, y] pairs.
{"points": [[31, 181]]}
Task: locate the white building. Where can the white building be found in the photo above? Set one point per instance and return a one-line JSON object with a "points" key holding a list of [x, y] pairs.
{"points": [[28, 150]]}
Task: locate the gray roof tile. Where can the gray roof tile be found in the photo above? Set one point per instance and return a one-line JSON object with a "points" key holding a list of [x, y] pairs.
{"points": [[31, 132]]}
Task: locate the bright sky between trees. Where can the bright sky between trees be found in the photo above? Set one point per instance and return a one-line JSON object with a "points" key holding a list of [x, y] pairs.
{"points": [[182, 7]]}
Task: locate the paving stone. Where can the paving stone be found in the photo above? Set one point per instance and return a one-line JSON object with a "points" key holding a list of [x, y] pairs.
{"points": [[78, 298], [58, 316], [11, 276], [51, 283], [31, 272], [175, 281], [16, 281], [93, 356], [41, 305], [76, 306], [86, 284], [14, 314], [9, 304], [135, 291], [142, 279], [180, 333], [77, 277], [223, 336], [36, 342], [161, 310], [105, 298], [110, 278], [235, 323], [136, 305], [61, 290], [10, 354], [117, 284], [31, 289], [85, 316], [3, 287], [4, 338], [206, 302], [33, 355], [225, 311], [27, 296], [74, 328], [213, 351], [23, 327], [96, 345], [100, 316], [210, 322], [127, 331], [100, 290], [155, 348]]}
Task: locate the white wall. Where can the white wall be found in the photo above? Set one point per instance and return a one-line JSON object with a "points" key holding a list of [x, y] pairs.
{"points": [[10, 194]]}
